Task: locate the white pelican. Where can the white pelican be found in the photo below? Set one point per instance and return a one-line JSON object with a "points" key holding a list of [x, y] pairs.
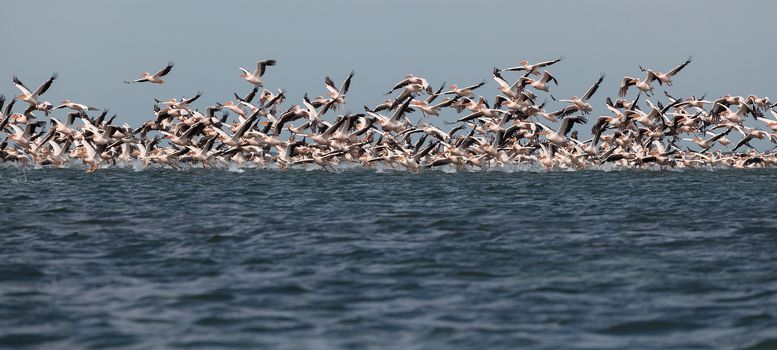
{"points": [[666, 78], [32, 97], [643, 85], [256, 77], [541, 84], [75, 106], [710, 142], [581, 103], [466, 91], [428, 109], [504, 86], [155, 78], [336, 96], [559, 137], [532, 68], [411, 80]]}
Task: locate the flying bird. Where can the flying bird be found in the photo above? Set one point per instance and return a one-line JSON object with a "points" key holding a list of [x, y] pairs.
{"points": [[256, 77], [155, 78], [32, 97]]}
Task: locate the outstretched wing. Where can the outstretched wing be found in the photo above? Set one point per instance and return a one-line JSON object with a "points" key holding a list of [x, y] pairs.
{"points": [[46, 85], [346, 84], [548, 63], [591, 91], [20, 86], [165, 70], [677, 69], [627, 81], [261, 65]]}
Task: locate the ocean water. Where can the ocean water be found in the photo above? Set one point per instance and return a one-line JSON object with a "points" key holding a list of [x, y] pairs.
{"points": [[215, 259]]}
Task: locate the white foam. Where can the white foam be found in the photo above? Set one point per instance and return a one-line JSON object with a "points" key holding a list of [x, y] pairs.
{"points": [[378, 167]]}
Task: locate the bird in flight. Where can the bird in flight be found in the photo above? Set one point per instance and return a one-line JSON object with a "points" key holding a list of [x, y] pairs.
{"points": [[156, 78]]}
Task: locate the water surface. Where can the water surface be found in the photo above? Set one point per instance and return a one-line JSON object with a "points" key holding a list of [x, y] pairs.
{"points": [[308, 259]]}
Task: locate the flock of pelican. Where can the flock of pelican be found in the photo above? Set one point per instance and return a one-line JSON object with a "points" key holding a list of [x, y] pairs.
{"points": [[644, 130]]}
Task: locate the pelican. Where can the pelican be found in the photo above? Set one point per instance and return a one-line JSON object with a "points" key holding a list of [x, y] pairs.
{"points": [[337, 96], [411, 80], [541, 84], [710, 142], [156, 78], [75, 106], [666, 78], [32, 97], [760, 102], [558, 137], [643, 85], [752, 134], [533, 68], [466, 91], [429, 109], [581, 103], [256, 77], [505, 87]]}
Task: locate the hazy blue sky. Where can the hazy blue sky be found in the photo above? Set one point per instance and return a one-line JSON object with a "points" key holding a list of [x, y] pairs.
{"points": [[95, 45]]}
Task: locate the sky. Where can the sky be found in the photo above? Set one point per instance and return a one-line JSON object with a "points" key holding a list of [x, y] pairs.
{"points": [[95, 45]]}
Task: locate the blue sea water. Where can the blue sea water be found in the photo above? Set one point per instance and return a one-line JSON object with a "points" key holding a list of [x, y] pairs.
{"points": [[213, 259]]}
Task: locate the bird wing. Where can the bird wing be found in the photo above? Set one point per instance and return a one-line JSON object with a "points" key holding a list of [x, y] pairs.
{"points": [[742, 142], [548, 63], [593, 88], [261, 65], [311, 109], [677, 69], [330, 85], [547, 77], [515, 69], [20, 86], [433, 96], [165, 70], [244, 127], [248, 97], [445, 103], [45, 86], [141, 80], [470, 117], [651, 75], [190, 100], [401, 84], [401, 110], [499, 80], [346, 84], [627, 81], [473, 87]]}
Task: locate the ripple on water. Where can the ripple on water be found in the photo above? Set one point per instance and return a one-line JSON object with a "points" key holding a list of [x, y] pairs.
{"points": [[26, 340], [19, 272], [649, 327]]}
